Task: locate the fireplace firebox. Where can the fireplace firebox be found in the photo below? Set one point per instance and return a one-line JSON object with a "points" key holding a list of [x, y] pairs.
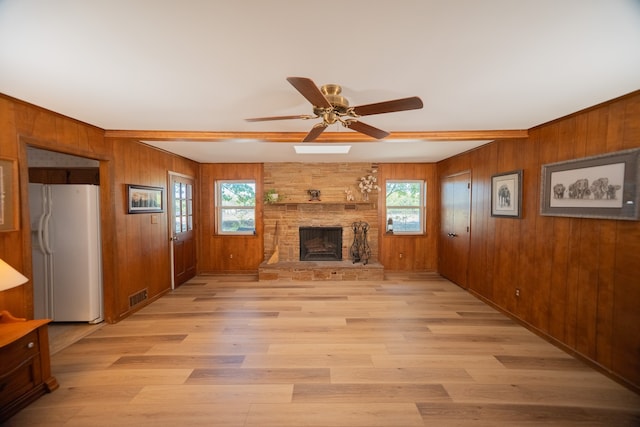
{"points": [[320, 243]]}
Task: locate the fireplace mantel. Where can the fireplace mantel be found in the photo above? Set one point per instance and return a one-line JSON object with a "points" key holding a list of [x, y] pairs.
{"points": [[370, 205]]}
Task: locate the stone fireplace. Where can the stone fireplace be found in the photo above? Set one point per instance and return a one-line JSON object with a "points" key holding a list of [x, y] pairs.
{"points": [[320, 243], [294, 213]]}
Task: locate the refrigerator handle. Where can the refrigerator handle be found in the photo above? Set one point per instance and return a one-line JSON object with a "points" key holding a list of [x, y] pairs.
{"points": [[45, 233], [40, 231], [47, 220], [41, 220]]}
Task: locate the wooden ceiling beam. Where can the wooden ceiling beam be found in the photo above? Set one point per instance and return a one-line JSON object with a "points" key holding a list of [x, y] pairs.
{"points": [[464, 135]]}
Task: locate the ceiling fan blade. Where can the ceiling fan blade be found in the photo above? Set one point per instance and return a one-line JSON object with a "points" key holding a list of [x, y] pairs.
{"points": [[309, 90], [403, 104], [263, 119], [367, 129], [315, 132]]}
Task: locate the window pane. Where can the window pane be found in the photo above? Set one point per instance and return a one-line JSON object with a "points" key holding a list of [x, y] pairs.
{"points": [[237, 220], [403, 193], [405, 219], [237, 194], [235, 206], [405, 205]]}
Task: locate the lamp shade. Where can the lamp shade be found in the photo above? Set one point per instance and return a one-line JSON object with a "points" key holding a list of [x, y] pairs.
{"points": [[10, 277]]}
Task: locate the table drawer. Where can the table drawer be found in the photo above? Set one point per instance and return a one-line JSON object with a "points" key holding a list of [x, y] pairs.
{"points": [[19, 381], [14, 354]]}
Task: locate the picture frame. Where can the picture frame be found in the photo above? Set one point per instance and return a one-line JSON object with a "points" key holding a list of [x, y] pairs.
{"points": [[506, 194], [603, 186], [144, 199], [8, 193]]}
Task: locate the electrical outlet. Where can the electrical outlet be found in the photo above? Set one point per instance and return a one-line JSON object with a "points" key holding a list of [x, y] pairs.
{"points": [[517, 292], [230, 256], [401, 254]]}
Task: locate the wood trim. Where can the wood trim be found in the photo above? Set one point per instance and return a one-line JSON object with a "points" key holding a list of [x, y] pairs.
{"points": [[463, 135]]}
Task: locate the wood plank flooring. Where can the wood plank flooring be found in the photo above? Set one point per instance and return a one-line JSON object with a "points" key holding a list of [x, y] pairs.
{"points": [[412, 350]]}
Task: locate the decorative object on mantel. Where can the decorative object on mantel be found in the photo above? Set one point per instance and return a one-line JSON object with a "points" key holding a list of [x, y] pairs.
{"points": [[349, 195], [368, 183], [315, 195], [360, 250], [390, 226], [271, 196]]}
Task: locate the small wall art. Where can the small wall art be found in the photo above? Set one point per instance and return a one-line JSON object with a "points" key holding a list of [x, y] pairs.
{"points": [[506, 194], [144, 199]]}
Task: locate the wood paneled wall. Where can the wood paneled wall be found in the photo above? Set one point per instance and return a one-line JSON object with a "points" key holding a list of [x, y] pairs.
{"points": [[579, 279], [142, 245], [22, 124], [225, 254], [410, 253], [135, 252]]}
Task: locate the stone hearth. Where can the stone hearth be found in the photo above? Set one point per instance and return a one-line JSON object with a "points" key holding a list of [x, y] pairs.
{"points": [[320, 270]]}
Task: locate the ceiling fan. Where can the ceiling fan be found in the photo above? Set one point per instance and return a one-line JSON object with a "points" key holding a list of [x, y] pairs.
{"points": [[332, 107]]}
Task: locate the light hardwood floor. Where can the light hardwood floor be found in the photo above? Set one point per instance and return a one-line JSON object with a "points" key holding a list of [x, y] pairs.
{"points": [[412, 350]]}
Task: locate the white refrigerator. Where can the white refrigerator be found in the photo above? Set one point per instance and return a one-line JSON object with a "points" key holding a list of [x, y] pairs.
{"points": [[67, 264]]}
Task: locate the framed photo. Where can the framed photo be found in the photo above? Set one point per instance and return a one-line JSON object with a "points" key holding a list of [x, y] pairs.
{"points": [[8, 194], [144, 199], [604, 186], [506, 194]]}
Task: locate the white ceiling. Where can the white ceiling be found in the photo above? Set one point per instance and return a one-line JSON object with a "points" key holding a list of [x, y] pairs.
{"points": [[205, 66]]}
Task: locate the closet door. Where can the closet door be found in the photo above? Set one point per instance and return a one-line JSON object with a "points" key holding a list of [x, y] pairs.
{"points": [[455, 227]]}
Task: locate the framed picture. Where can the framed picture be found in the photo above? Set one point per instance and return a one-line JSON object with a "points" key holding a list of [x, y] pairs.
{"points": [[144, 199], [604, 186], [8, 194], [506, 194]]}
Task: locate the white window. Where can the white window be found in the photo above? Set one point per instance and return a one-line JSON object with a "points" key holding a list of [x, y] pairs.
{"points": [[406, 202], [236, 207]]}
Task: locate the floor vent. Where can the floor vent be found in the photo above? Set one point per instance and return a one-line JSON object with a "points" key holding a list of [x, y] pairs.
{"points": [[137, 298]]}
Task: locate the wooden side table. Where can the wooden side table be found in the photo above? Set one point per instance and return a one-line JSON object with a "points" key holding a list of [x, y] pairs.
{"points": [[25, 367]]}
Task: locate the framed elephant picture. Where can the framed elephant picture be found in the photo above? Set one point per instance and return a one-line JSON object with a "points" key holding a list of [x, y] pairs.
{"points": [[506, 194], [603, 186]]}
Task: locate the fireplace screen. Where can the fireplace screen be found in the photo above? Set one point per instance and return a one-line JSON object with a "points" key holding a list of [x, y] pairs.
{"points": [[320, 243]]}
